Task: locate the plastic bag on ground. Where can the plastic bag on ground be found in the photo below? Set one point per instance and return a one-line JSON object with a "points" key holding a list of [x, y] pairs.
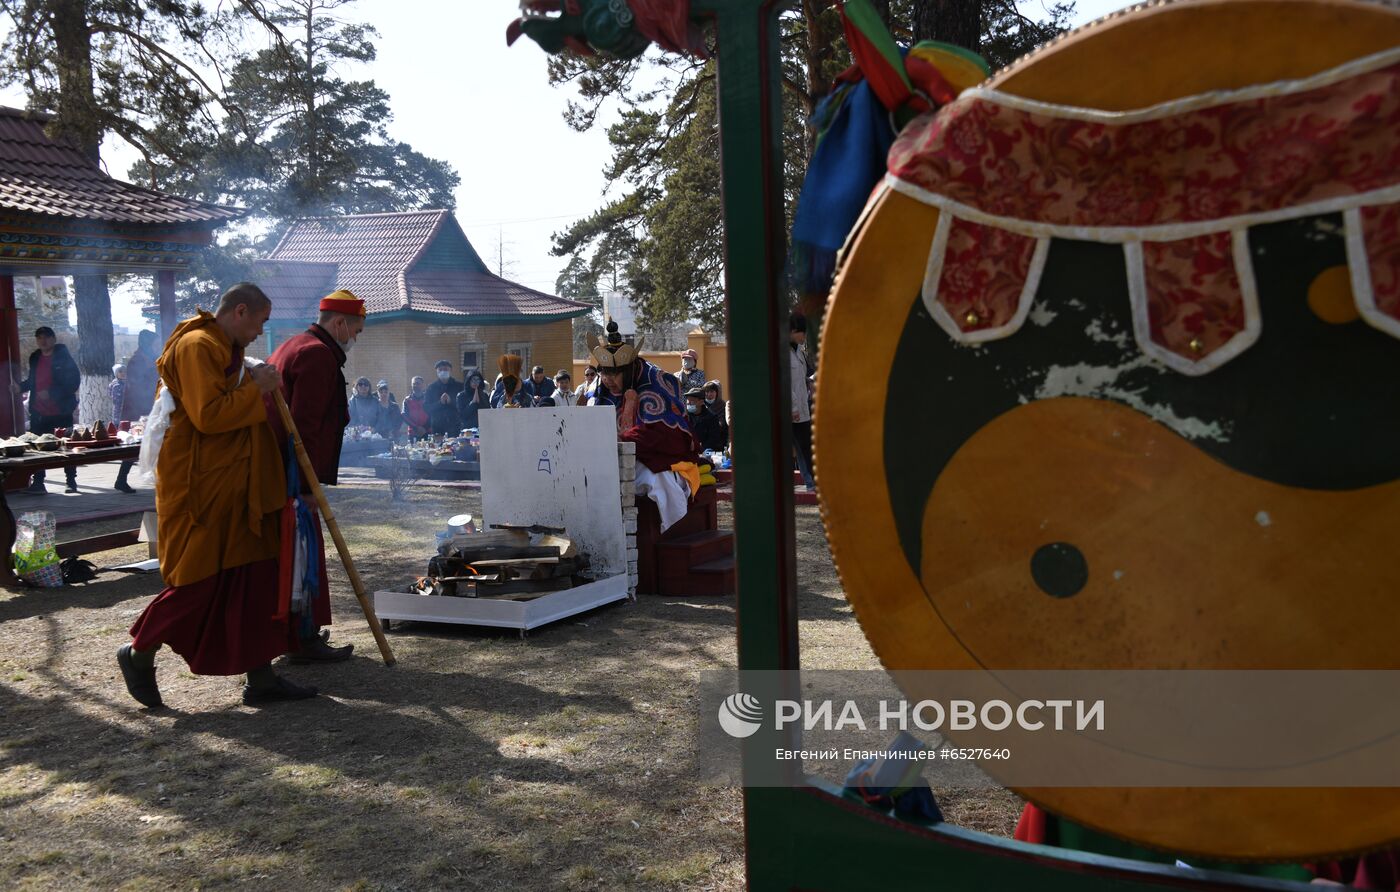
{"points": [[36, 558]]}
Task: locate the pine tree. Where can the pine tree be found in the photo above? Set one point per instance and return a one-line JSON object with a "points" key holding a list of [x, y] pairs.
{"points": [[577, 282], [664, 228], [312, 142]]}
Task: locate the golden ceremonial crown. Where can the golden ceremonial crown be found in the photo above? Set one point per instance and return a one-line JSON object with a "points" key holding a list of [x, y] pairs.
{"points": [[612, 352]]}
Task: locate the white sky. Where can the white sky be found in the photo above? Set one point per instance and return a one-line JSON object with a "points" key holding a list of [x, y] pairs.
{"points": [[459, 94]]}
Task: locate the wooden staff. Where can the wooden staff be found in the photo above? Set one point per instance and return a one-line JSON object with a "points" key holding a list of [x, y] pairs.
{"points": [[310, 473]]}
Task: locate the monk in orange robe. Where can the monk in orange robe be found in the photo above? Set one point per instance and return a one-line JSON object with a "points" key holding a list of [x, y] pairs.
{"points": [[220, 488]]}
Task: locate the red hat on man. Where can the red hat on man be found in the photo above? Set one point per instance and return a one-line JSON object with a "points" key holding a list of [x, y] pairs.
{"points": [[343, 301]]}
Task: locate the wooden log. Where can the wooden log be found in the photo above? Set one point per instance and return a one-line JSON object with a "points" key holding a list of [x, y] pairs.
{"points": [[524, 586], [519, 538], [76, 547], [503, 553], [565, 545], [528, 527], [515, 562]]}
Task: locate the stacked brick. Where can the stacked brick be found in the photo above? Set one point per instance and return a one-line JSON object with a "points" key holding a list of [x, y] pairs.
{"points": [[627, 474]]}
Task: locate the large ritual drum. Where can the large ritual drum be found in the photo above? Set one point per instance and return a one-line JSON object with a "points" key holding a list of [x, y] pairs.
{"points": [[1109, 381]]}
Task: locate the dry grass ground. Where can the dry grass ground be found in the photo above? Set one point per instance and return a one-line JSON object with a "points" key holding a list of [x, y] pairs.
{"points": [[480, 762]]}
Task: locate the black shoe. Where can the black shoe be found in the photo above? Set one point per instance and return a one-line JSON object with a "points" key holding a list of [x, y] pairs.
{"points": [[121, 486], [71, 487], [36, 489], [317, 650], [276, 693], [140, 680]]}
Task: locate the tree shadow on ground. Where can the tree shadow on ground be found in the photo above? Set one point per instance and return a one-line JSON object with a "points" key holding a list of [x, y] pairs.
{"points": [[110, 588], [258, 820], [302, 789], [604, 631], [362, 683], [814, 604]]}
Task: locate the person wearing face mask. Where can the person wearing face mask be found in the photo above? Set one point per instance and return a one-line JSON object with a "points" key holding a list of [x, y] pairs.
{"points": [[689, 376], [313, 382], [718, 407], [707, 427], [415, 408], [442, 400]]}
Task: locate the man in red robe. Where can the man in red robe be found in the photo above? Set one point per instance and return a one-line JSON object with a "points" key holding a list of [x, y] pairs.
{"points": [[220, 488], [314, 385]]}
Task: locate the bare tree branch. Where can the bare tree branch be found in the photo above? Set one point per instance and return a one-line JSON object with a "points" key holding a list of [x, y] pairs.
{"points": [[150, 60]]}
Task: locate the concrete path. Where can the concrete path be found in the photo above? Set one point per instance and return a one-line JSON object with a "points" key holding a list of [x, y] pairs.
{"points": [[94, 500]]}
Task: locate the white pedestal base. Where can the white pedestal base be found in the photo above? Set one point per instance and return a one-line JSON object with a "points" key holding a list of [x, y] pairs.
{"points": [[500, 613]]}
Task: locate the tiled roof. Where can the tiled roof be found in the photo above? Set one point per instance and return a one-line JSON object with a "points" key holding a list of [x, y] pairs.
{"points": [[295, 287], [469, 291], [376, 257], [371, 250], [41, 176]]}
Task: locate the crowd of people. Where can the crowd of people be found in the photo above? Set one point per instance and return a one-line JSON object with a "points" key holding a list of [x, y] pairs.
{"points": [[448, 405]]}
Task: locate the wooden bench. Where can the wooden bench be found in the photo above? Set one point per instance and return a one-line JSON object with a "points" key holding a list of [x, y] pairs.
{"points": [[47, 461]]}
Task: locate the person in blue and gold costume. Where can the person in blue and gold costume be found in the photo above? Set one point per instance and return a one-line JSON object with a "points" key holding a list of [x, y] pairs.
{"points": [[649, 403], [650, 413]]}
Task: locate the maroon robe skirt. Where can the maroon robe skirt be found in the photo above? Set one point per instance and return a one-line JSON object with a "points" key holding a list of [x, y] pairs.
{"points": [[221, 625]]}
